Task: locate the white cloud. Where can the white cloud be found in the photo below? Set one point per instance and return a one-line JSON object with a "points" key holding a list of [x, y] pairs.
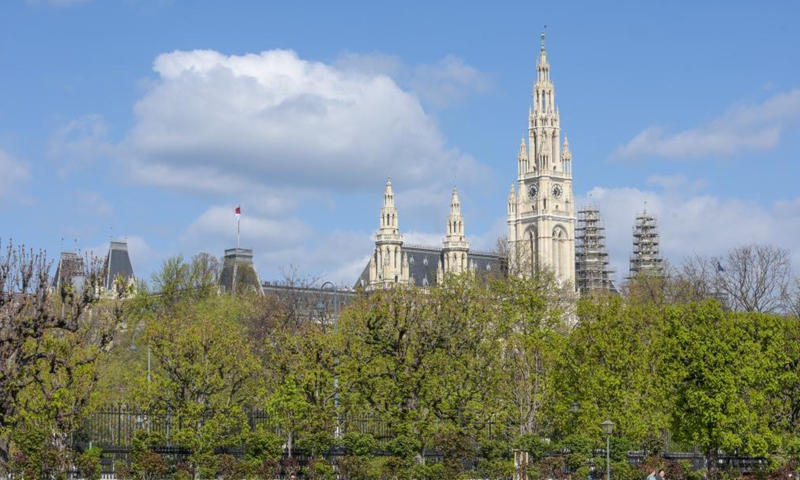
{"points": [[217, 226], [691, 222], [448, 81], [79, 143], [744, 127], [218, 124], [444, 83], [15, 172]]}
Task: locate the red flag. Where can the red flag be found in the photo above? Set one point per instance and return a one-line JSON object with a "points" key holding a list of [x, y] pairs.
{"points": [[238, 212]]}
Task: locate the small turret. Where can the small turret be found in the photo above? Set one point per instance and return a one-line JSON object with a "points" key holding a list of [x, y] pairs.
{"points": [[512, 200], [522, 158]]}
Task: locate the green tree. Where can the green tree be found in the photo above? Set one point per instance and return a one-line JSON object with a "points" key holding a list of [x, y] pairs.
{"points": [[203, 373], [416, 357], [531, 320], [727, 361], [611, 369]]}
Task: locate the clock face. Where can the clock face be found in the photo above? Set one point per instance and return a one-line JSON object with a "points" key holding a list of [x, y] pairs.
{"points": [[532, 191], [557, 191]]}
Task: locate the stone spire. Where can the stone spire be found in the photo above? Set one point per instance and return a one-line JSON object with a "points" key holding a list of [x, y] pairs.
{"points": [[566, 156], [389, 260], [522, 158], [455, 247], [455, 222], [512, 200], [544, 129], [389, 222]]}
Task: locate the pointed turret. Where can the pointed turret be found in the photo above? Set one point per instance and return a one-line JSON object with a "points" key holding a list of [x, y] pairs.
{"points": [[389, 223], [388, 258], [512, 200], [566, 157], [522, 158], [455, 246]]}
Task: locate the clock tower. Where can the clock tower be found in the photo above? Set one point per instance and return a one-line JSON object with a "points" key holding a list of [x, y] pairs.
{"points": [[541, 206]]}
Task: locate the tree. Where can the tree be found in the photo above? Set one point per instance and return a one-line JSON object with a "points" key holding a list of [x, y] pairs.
{"points": [[415, 356], [51, 341], [204, 372], [532, 323], [611, 368], [728, 363], [755, 277]]}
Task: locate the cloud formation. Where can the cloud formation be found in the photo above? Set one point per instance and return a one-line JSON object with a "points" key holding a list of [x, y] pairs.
{"points": [[441, 84], [15, 173], [78, 143], [744, 127], [213, 123], [693, 222]]}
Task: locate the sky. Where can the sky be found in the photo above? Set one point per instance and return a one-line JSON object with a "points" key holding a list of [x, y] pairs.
{"points": [[151, 120]]}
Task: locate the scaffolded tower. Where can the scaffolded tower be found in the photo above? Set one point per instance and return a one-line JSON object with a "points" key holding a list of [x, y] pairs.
{"points": [[646, 256], [592, 269]]}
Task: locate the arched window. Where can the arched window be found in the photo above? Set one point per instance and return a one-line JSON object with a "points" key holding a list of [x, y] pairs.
{"points": [[559, 251]]}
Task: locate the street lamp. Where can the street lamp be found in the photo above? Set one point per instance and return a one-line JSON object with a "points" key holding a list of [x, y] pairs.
{"points": [[608, 429], [321, 308], [133, 349]]}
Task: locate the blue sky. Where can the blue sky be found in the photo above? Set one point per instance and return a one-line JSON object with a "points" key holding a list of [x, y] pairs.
{"points": [[152, 119]]}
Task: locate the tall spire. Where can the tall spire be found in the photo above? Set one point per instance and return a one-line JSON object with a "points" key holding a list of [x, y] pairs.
{"points": [[455, 245], [388, 212], [543, 32], [543, 68], [455, 222], [388, 194]]}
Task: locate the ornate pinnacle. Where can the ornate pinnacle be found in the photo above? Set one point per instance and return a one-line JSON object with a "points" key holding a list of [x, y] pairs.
{"points": [[543, 30]]}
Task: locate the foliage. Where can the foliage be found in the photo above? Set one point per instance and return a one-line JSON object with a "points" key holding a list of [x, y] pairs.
{"points": [[535, 445], [51, 342], [88, 464], [727, 360], [319, 469], [262, 445], [360, 444]]}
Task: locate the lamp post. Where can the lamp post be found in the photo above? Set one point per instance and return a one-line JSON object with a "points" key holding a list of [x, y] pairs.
{"points": [[608, 429], [321, 308], [133, 349]]}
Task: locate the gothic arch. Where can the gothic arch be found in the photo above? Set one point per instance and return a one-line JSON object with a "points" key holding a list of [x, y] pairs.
{"points": [[559, 251], [531, 250]]}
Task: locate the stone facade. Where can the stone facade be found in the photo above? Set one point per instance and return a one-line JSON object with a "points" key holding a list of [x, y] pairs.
{"points": [[541, 206]]}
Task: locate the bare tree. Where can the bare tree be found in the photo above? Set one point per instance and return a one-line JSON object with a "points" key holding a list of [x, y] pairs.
{"points": [[793, 298], [755, 278], [50, 341]]}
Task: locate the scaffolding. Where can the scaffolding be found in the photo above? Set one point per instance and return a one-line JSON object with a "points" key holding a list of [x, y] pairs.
{"points": [[646, 256], [592, 271]]}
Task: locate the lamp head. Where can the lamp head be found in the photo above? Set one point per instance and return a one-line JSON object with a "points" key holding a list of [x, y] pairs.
{"points": [[607, 426]]}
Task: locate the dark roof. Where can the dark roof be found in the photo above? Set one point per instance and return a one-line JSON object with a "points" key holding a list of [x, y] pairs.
{"points": [[423, 263], [71, 270], [118, 264]]}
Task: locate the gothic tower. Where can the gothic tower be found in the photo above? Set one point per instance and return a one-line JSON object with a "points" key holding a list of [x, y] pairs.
{"points": [[388, 264], [541, 210], [455, 247]]}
